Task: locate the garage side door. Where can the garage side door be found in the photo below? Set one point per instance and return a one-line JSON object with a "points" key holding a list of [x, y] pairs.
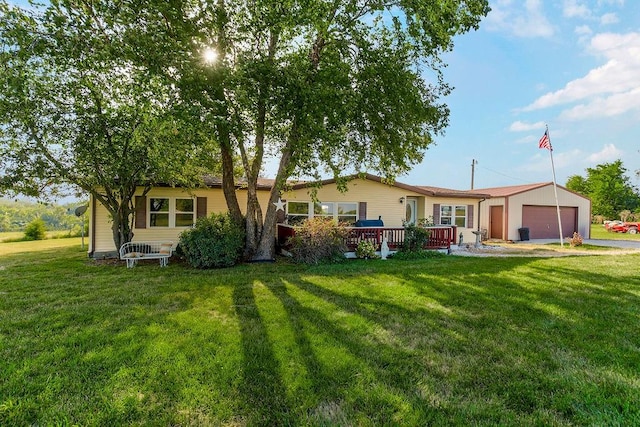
{"points": [[542, 221]]}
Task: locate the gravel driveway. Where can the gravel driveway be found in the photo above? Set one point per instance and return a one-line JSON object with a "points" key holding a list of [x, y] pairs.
{"points": [[539, 248]]}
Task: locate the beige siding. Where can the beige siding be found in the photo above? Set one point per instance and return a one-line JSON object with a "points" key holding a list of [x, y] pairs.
{"points": [[545, 197], [485, 208], [467, 232], [382, 200], [215, 203]]}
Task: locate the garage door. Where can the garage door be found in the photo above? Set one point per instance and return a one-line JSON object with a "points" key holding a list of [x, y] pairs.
{"points": [[542, 221]]}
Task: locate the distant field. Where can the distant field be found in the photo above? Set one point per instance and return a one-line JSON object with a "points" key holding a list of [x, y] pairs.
{"points": [[599, 232], [15, 235], [7, 248]]}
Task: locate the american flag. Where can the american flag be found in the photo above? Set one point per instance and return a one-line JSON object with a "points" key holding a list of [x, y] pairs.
{"points": [[544, 141]]}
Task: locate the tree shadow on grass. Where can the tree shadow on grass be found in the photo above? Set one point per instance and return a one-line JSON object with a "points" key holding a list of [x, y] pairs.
{"points": [[498, 339], [263, 392]]}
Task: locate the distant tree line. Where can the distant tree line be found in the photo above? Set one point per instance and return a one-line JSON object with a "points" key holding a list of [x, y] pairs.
{"points": [[16, 215], [610, 190]]}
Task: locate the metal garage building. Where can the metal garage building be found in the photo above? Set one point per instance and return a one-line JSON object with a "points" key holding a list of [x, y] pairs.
{"points": [[533, 206]]}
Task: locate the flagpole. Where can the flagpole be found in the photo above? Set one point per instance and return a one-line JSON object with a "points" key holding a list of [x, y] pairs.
{"points": [[555, 188]]}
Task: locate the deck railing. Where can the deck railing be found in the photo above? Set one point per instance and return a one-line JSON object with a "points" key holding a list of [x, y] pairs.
{"points": [[440, 237]]}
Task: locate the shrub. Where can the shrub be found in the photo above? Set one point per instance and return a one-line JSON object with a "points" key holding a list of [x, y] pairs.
{"points": [[318, 240], [366, 249], [35, 230], [215, 241], [576, 240], [415, 238]]}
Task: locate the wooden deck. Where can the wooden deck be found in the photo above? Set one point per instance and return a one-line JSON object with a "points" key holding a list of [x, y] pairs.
{"points": [[440, 237]]}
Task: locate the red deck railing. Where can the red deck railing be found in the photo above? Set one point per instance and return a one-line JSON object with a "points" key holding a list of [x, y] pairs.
{"points": [[440, 237]]}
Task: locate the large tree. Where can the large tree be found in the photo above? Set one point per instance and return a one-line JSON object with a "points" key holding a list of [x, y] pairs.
{"points": [[325, 86], [608, 187], [330, 86], [75, 111]]}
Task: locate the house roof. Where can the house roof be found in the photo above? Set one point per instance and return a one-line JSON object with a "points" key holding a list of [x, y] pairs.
{"points": [[215, 181], [448, 192], [266, 184], [425, 190], [512, 190]]}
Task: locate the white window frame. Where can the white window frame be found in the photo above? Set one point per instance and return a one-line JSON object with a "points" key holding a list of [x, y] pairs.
{"points": [[333, 207], [172, 212], [453, 217]]}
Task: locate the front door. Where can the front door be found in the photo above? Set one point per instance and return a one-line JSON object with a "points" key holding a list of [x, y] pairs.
{"points": [[411, 211]]}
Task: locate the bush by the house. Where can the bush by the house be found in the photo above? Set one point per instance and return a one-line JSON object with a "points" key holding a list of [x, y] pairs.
{"points": [[318, 240], [35, 230], [215, 241], [415, 238], [366, 250]]}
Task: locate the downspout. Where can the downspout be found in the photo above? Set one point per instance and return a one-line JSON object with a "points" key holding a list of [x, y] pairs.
{"points": [[478, 232], [93, 227], [482, 200]]}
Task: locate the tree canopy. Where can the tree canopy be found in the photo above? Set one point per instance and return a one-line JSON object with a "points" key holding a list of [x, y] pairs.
{"points": [[73, 110], [609, 189], [324, 87]]}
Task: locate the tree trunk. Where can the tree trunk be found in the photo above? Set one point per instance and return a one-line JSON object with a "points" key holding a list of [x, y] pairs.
{"points": [[121, 225], [228, 179], [267, 238]]}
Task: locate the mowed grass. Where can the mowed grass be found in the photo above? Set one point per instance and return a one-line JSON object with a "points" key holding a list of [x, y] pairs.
{"points": [[599, 232], [445, 341]]}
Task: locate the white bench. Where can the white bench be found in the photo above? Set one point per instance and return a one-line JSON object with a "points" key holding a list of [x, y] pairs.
{"points": [[134, 251]]}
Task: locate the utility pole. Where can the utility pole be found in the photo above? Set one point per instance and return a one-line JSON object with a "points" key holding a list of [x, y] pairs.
{"points": [[474, 162]]}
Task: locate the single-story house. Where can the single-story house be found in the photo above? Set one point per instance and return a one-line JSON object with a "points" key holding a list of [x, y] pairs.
{"points": [[369, 197], [164, 212], [533, 207]]}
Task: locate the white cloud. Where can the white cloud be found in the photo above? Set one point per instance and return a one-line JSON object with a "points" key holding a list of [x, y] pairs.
{"points": [[583, 30], [519, 126], [608, 153], [575, 9], [606, 90], [567, 159], [610, 106], [609, 18], [609, 2], [529, 21], [561, 159]]}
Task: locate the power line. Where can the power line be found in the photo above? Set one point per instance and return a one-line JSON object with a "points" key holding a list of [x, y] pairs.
{"points": [[505, 175]]}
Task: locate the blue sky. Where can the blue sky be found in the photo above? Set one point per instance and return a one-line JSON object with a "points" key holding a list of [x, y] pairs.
{"points": [[571, 64]]}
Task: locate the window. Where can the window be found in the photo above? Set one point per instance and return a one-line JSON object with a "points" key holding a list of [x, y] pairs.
{"points": [[348, 212], [297, 212], [323, 209], [453, 215], [184, 213], [166, 212], [158, 212], [339, 211]]}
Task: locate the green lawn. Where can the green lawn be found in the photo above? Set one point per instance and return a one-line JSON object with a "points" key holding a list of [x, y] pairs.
{"points": [[444, 341], [599, 232]]}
